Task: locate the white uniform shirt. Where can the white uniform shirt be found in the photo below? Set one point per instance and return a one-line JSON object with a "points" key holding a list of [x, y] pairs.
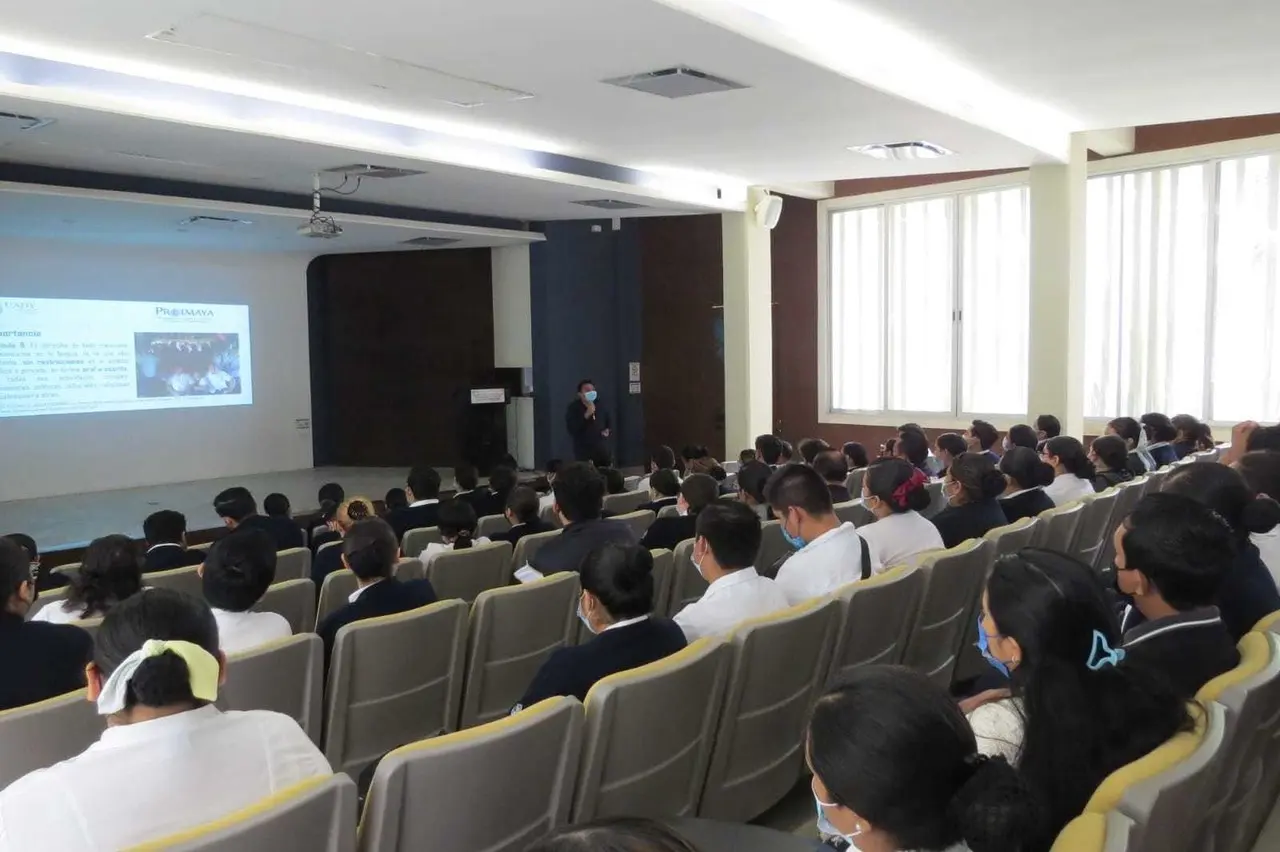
{"points": [[1068, 488], [244, 631], [894, 539], [435, 548], [728, 602], [143, 781], [61, 613], [998, 727], [831, 560]]}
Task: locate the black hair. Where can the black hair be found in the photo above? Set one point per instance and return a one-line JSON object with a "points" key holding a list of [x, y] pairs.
{"points": [[371, 548], [614, 834], [353, 510], [579, 491], [27, 543], [466, 477], [1159, 427], [977, 476], [691, 452], [331, 491], [614, 481], [665, 483], [164, 614], [797, 486], [424, 482], [699, 491], [769, 449], [1181, 546], [1049, 425], [856, 454], [501, 480], [111, 572], [621, 578], [889, 448], [1023, 435], [787, 453], [953, 443], [1112, 451], [747, 455], [276, 505], [458, 521], [1025, 468], [892, 746], [602, 457], [733, 533], [15, 568], [832, 467], [1190, 429], [508, 460], [1127, 428], [1264, 438], [582, 384], [899, 485], [235, 503], [1072, 454], [395, 499], [664, 458], [1225, 491], [329, 509], [913, 446], [913, 427], [164, 527], [238, 570], [810, 447], [986, 434], [553, 466], [1261, 473], [752, 479], [524, 504], [1080, 724]]}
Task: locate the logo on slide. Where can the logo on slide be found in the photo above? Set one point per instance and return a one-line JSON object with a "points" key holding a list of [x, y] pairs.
{"points": [[17, 307], [184, 313]]}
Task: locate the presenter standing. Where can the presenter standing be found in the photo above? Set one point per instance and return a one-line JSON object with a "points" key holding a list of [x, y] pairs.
{"points": [[588, 424]]}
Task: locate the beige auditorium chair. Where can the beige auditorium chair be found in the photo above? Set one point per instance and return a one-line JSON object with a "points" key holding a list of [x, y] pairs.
{"points": [[1095, 526], [185, 580], [622, 504], [69, 569], [1011, 538], [286, 676], [293, 564], [663, 570], [416, 541], [780, 664], [466, 573], [47, 732], [527, 546], [954, 580], [202, 546], [335, 593], [393, 680], [1057, 528], [89, 625], [687, 584], [853, 512], [47, 598], [937, 499], [293, 599], [491, 525], [549, 516], [318, 815], [318, 530], [1127, 496], [876, 619], [1155, 480], [337, 542], [648, 736], [772, 548], [854, 481], [512, 633], [674, 511], [496, 788], [408, 570], [639, 521]]}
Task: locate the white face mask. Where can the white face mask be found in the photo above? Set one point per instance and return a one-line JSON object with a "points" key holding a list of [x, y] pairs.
{"points": [[826, 829], [583, 617], [697, 563]]}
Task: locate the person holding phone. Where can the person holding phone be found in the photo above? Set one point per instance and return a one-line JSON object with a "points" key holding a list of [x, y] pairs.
{"points": [[588, 424]]}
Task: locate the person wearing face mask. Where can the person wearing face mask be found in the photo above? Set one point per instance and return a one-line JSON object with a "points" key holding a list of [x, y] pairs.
{"points": [[615, 605], [724, 551], [588, 425], [828, 554], [696, 493], [971, 486], [896, 492]]}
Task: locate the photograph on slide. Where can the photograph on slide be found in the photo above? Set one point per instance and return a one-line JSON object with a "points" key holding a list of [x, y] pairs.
{"points": [[187, 364]]}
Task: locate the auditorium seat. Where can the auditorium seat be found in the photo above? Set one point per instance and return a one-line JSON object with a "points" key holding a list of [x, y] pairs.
{"points": [[937, 499], [335, 592], [648, 736], [89, 625], [674, 511], [1011, 538], [185, 580], [202, 546], [528, 545], [854, 512], [495, 788], [1127, 496], [393, 680], [548, 516], [68, 569], [490, 525], [409, 569], [318, 530], [954, 580], [625, 503], [466, 573], [1096, 833], [337, 542], [687, 585], [45, 733], [1057, 528], [772, 548], [293, 564], [853, 481], [663, 571], [639, 520], [779, 665], [1095, 526], [285, 676], [416, 541], [295, 600], [512, 632], [876, 618], [51, 596]]}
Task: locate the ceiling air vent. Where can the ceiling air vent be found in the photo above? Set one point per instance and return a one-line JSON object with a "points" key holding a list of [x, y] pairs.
{"points": [[678, 82], [11, 122], [431, 242], [367, 170], [220, 223], [611, 204]]}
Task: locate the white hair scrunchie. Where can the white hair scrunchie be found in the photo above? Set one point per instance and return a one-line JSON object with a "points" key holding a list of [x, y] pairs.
{"points": [[202, 672]]}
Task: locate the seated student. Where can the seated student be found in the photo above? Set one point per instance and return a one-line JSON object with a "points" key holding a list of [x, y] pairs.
{"points": [[614, 834], [1140, 462], [1261, 473], [1021, 435], [971, 487], [329, 495], [913, 447], [616, 602], [1249, 437], [422, 488], [1248, 592], [111, 571], [238, 509], [522, 512], [752, 479], [769, 449], [1047, 426], [40, 660], [664, 490], [46, 578], [1110, 459], [931, 464], [457, 528], [946, 448], [371, 551], [553, 470], [579, 491], [895, 766], [329, 559], [896, 492], [696, 493], [1172, 554], [494, 502], [169, 759], [466, 480], [1161, 433], [1193, 436], [328, 511], [1073, 473], [236, 574], [166, 535], [855, 455], [834, 470], [786, 453], [614, 481], [395, 499], [982, 437], [810, 447], [829, 554], [748, 455], [1026, 477], [1077, 712], [724, 551], [663, 458], [277, 505], [888, 450]]}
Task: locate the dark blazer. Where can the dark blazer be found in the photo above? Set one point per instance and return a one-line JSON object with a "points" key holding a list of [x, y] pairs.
{"points": [[1136, 466], [40, 660], [1028, 504], [1248, 592], [414, 517], [1165, 455], [1183, 448], [387, 597], [1187, 650], [575, 669], [839, 494], [1105, 479], [283, 531], [658, 505], [325, 563], [168, 556], [972, 520], [666, 533], [487, 502], [586, 433], [566, 551], [519, 531]]}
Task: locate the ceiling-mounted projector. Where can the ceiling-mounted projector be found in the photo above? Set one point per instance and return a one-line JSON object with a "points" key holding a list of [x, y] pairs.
{"points": [[321, 228]]}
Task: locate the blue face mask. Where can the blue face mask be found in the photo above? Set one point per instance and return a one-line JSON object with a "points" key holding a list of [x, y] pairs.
{"points": [[591, 396], [986, 653], [826, 829], [587, 623], [794, 540]]}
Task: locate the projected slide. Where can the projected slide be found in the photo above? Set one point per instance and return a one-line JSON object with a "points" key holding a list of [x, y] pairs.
{"points": [[77, 356]]}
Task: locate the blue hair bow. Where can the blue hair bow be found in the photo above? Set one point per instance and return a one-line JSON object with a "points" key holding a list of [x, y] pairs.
{"points": [[1103, 654]]}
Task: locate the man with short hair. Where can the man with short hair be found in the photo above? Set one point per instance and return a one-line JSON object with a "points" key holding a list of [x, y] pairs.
{"points": [[664, 490], [696, 493], [810, 447], [913, 446], [1021, 435], [422, 488], [46, 578], [724, 552], [493, 499], [234, 576], [1047, 426], [769, 449], [579, 491], [834, 470], [238, 510], [277, 505], [587, 424], [980, 437], [523, 514], [166, 535]]}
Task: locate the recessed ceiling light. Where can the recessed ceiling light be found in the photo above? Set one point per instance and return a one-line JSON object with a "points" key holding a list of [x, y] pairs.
{"points": [[903, 151]]}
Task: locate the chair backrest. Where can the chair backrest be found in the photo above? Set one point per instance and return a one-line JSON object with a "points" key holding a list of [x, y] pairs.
{"points": [[549, 516], [1209, 455], [204, 545], [491, 525], [440, 793], [772, 548], [394, 680], [293, 564], [1057, 528], [1013, 537], [88, 625], [622, 504], [632, 482], [687, 585], [512, 632], [649, 733], [779, 665], [853, 512], [318, 530], [876, 619], [639, 520], [854, 481], [317, 814], [46, 598], [74, 567], [337, 542], [416, 541], [409, 569], [285, 676], [47, 732], [663, 571], [937, 499], [1095, 526], [184, 580], [1155, 480], [674, 511], [528, 545], [293, 599], [1091, 832], [955, 579], [335, 593], [1127, 496], [466, 573]]}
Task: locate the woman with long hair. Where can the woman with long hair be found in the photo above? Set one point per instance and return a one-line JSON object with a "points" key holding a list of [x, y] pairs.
{"points": [[1072, 471], [1193, 436], [111, 572], [1135, 440], [1110, 459], [1027, 476], [458, 524], [971, 485], [896, 492]]}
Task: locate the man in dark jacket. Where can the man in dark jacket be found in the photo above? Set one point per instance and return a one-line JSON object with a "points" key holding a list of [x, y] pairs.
{"points": [[588, 425], [237, 508], [579, 491]]}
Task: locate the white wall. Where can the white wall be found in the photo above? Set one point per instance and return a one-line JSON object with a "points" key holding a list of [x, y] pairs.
{"points": [[62, 454], [512, 308]]}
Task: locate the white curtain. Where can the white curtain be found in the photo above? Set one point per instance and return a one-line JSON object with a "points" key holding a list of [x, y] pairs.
{"points": [[857, 310], [920, 305]]}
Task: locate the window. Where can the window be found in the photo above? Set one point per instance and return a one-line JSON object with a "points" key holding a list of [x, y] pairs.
{"points": [[929, 305]]}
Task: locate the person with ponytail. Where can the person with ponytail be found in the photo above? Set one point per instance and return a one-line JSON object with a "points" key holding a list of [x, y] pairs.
{"points": [[1261, 472], [111, 572], [1131, 432], [1072, 471], [169, 760], [1248, 591], [458, 529], [1110, 460], [896, 492], [1076, 713], [1161, 433], [1193, 436], [1026, 477], [971, 486], [895, 767], [614, 605], [329, 559]]}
